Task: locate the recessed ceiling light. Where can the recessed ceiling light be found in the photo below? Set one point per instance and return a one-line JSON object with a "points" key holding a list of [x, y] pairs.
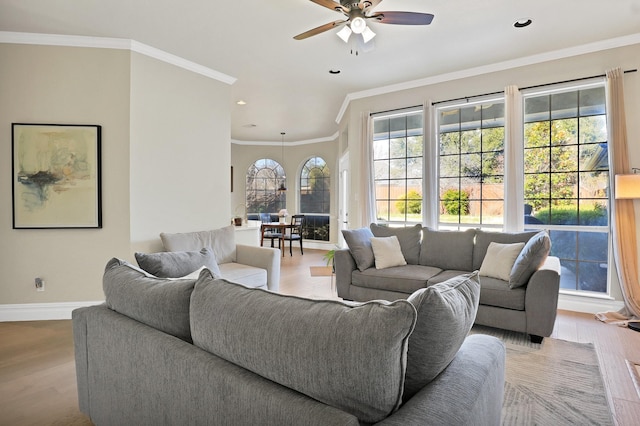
{"points": [[334, 71], [521, 23], [249, 126], [241, 102]]}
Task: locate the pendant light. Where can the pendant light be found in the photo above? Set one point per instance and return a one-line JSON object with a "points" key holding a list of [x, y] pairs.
{"points": [[282, 187]]}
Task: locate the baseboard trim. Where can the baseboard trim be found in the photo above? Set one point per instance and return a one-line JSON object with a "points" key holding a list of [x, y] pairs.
{"points": [[588, 305], [41, 311]]}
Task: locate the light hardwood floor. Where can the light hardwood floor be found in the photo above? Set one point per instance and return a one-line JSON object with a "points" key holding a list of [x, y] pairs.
{"points": [[37, 372]]}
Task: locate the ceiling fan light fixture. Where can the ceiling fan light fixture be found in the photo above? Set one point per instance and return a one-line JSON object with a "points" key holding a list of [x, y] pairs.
{"points": [[358, 25], [345, 33], [368, 35]]}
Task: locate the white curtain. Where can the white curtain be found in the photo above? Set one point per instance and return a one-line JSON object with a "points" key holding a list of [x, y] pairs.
{"points": [[367, 184], [513, 160], [430, 168], [623, 227]]}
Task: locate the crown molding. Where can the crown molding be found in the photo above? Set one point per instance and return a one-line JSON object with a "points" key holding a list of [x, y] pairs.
{"points": [[113, 43], [486, 69], [331, 138]]}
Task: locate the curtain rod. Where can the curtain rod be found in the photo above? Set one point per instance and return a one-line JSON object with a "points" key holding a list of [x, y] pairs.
{"points": [[528, 87], [371, 114]]}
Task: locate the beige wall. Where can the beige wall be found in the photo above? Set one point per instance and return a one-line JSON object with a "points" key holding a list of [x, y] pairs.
{"points": [[543, 73], [143, 106], [295, 155]]}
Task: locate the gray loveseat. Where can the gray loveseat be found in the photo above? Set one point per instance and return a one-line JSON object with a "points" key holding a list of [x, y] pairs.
{"points": [[211, 352], [525, 300]]}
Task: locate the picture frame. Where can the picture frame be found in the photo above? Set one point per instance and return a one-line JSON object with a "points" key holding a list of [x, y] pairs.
{"points": [[56, 180]]}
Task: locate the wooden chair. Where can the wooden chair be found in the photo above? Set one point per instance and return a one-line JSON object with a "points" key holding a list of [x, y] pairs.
{"points": [[270, 233], [295, 232]]}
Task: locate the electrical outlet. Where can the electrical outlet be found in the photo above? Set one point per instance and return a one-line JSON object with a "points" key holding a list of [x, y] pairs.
{"points": [[39, 284]]}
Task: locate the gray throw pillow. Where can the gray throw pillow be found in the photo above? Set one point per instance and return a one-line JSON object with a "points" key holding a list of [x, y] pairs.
{"points": [[348, 356], [408, 237], [446, 312], [359, 242], [176, 264], [448, 249], [161, 303], [531, 257], [222, 241]]}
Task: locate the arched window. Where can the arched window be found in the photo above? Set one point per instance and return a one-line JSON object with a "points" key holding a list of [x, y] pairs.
{"points": [[315, 195], [263, 179]]}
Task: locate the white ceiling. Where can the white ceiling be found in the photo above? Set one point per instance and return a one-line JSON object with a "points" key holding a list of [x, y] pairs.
{"points": [[286, 83]]}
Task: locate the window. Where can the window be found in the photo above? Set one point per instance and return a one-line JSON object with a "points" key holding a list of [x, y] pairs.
{"points": [[471, 164], [566, 180], [397, 164], [263, 179], [315, 189], [315, 195]]}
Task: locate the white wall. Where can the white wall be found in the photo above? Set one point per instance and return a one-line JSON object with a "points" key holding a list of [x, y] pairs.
{"points": [[165, 161], [180, 152]]}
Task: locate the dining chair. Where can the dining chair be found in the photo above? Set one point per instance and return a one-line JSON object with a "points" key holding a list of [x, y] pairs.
{"points": [[270, 233], [295, 232]]}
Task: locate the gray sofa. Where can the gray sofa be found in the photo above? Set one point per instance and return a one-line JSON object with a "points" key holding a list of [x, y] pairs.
{"points": [[525, 300], [212, 352]]}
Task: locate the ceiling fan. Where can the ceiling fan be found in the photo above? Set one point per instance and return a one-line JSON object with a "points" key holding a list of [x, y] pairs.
{"points": [[357, 12]]}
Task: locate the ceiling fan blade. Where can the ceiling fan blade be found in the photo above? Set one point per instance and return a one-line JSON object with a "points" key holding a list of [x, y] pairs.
{"points": [[320, 29], [402, 18], [331, 4]]}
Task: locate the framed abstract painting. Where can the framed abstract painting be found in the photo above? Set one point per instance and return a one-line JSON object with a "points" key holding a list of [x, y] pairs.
{"points": [[56, 176]]}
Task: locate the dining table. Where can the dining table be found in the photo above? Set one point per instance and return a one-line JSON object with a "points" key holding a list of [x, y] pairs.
{"points": [[281, 228]]}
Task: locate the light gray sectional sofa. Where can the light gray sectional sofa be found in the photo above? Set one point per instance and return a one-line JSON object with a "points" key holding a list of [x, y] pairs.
{"points": [[519, 285], [251, 266], [207, 351]]}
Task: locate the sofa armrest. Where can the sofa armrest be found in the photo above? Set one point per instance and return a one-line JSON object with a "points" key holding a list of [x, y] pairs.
{"points": [[344, 264], [468, 392], [261, 257], [541, 298]]}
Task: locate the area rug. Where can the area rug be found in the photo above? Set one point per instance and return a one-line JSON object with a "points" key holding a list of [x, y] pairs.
{"points": [[553, 383]]}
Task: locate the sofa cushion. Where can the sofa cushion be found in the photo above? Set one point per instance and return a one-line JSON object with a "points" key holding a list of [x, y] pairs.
{"points": [[177, 264], [403, 279], [222, 241], [484, 238], [531, 257], [246, 275], [496, 292], [446, 312], [349, 356], [160, 303], [447, 249], [359, 242], [499, 260], [408, 237], [445, 275], [387, 252]]}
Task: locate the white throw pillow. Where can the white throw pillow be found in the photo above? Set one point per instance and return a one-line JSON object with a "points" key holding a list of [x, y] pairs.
{"points": [[387, 252], [499, 260]]}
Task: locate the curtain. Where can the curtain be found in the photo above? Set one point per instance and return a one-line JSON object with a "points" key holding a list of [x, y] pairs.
{"points": [[513, 160], [430, 168], [367, 183], [623, 227]]}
